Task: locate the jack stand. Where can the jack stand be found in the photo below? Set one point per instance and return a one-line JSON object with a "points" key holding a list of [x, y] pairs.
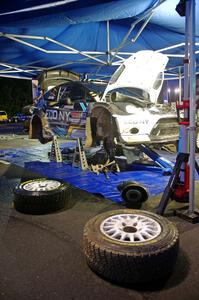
{"points": [[80, 156], [176, 189], [184, 213], [181, 158], [189, 214], [55, 153], [166, 165]]}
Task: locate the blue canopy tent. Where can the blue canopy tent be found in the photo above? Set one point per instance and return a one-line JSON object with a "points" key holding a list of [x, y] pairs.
{"points": [[93, 37], [88, 37]]}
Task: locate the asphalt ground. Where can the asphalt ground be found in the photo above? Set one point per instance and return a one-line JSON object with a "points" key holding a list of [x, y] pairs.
{"points": [[12, 129], [41, 256]]}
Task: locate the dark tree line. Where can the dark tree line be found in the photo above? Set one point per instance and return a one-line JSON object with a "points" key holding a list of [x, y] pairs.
{"points": [[14, 94]]}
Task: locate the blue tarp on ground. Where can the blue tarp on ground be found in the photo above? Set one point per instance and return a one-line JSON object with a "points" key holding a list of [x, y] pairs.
{"points": [[82, 26], [154, 181], [37, 161]]}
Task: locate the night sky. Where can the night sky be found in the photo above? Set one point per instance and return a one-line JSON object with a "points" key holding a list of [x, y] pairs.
{"points": [[14, 94]]}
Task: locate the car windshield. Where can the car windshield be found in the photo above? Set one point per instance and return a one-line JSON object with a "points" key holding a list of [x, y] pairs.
{"points": [[128, 94], [2, 113], [97, 88]]}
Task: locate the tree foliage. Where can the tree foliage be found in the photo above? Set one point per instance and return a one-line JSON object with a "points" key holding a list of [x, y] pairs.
{"points": [[14, 94]]}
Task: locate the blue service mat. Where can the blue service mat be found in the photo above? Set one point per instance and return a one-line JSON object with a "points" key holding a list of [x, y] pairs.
{"points": [[36, 159], [153, 180], [20, 155]]}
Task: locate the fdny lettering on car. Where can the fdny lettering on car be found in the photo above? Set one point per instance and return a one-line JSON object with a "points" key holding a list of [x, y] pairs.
{"points": [[63, 116], [55, 115]]}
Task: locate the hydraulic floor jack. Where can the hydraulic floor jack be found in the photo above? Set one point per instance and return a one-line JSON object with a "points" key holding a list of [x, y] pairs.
{"points": [[177, 189], [166, 165], [178, 185]]}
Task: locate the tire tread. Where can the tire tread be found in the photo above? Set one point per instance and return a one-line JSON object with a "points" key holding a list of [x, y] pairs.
{"points": [[134, 266], [28, 203]]}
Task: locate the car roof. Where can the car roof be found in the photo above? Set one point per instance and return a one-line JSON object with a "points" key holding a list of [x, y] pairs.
{"points": [[92, 86]]}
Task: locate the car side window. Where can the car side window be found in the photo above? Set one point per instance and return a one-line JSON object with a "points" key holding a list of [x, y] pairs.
{"points": [[81, 93], [51, 95], [65, 94], [89, 96], [77, 92]]}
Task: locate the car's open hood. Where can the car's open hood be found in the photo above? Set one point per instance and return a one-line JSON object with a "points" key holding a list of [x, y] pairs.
{"points": [[140, 71]]}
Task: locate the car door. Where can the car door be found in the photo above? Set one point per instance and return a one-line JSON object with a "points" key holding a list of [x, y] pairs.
{"points": [[55, 119], [75, 99], [68, 108]]}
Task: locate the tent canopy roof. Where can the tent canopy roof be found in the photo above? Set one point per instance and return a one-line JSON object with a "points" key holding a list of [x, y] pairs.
{"points": [[90, 37]]}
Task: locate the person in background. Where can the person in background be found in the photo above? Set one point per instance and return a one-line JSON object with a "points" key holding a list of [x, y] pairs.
{"points": [[39, 109], [39, 102]]}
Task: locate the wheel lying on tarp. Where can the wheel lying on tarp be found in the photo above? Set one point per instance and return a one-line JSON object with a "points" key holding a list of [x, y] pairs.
{"points": [[40, 196], [133, 193], [131, 246]]}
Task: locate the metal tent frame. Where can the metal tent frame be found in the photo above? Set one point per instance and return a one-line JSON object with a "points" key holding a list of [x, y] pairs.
{"points": [[112, 57]]}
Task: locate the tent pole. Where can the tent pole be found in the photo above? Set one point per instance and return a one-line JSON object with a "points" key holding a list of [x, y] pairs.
{"points": [[188, 124], [180, 86], [108, 41], [192, 115], [184, 132], [123, 42]]}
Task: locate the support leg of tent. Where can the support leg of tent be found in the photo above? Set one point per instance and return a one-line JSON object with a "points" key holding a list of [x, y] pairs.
{"points": [[191, 214], [190, 14]]}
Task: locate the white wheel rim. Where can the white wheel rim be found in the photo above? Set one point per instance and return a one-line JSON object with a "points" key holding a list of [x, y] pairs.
{"points": [[130, 228], [41, 185]]}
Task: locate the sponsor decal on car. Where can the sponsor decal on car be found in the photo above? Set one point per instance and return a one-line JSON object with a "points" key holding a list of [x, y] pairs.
{"points": [[57, 115]]}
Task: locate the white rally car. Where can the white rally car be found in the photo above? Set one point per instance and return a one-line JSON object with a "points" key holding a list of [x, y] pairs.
{"points": [[128, 112]]}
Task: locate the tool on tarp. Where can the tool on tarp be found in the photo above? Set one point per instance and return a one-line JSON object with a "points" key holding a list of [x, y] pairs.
{"points": [[105, 168]]}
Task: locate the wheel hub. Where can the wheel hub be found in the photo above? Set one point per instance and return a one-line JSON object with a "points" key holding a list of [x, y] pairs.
{"points": [[130, 228]]}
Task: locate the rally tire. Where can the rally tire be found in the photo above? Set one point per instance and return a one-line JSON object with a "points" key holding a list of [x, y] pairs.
{"points": [[133, 194], [132, 198], [41, 202], [126, 262]]}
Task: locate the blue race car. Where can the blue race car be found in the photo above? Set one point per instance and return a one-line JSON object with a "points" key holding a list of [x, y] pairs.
{"points": [[67, 107]]}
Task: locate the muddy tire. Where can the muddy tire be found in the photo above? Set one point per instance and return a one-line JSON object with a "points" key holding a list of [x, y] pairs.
{"points": [[133, 194], [131, 246], [40, 196], [103, 125], [39, 129]]}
